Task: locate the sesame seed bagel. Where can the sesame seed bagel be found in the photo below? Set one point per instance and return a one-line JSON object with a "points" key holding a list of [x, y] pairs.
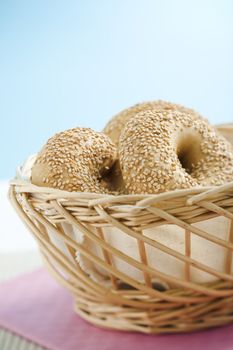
{"points": [[75, 160], [162, 150], [116, 124]]}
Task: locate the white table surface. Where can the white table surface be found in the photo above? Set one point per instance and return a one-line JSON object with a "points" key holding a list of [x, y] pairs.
{"points": [[18, 249], [18, 254]]}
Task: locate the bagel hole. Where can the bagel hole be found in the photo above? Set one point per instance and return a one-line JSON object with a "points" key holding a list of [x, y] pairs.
{"points": [[183, 157], [189, 150], [113, 177]]}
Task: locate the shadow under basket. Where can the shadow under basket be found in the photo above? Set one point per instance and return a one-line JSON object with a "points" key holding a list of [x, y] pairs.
{"points": [[113, 255]]}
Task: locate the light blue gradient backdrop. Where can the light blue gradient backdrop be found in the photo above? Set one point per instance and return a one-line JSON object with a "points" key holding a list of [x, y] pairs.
{"points": [[76, 63]]}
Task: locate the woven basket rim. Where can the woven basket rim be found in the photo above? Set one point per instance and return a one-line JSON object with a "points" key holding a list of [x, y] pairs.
{"points": [[29, 187], [192, 195]]}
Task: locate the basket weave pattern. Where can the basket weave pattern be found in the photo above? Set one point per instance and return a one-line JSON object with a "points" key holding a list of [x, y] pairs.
{"points": [[185, 306]]}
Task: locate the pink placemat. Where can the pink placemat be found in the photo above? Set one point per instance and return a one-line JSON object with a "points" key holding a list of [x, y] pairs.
{"points": [[36, 307]]}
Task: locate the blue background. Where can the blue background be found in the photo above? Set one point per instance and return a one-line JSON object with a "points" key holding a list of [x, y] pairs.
{"points": [[76, 63]]}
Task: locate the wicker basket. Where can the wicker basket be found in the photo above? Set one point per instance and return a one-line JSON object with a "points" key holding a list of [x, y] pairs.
{"points": [[68, 225]]}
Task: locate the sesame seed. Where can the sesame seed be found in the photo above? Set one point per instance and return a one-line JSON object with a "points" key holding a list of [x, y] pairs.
{"points": [[74, 160]]}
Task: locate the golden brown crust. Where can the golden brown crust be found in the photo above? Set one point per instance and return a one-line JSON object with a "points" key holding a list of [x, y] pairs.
{"points": [[117, 123], [161, 150], [75, 160]]}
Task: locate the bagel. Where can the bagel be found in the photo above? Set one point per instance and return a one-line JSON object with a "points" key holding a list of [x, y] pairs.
{"points": [[77, 159], [162, 150], [226, 131], [117, 123]]}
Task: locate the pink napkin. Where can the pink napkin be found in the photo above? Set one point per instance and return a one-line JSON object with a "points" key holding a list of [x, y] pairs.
{"points": [[34, 306]]}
